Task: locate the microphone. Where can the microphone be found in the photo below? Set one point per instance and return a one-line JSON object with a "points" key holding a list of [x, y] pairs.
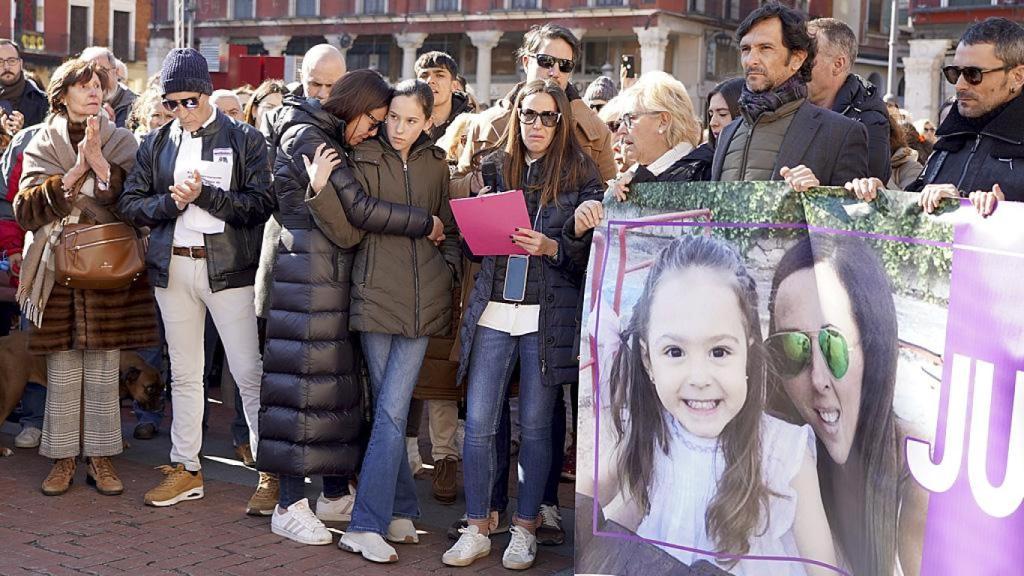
{"points": [[492, 177]]}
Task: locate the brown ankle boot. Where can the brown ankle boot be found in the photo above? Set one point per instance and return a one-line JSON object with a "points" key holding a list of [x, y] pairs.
{"points": [[101, 474], [60, 477]]}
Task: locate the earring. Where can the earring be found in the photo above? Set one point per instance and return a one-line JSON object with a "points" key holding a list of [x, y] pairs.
{"points": [[661, 130]]}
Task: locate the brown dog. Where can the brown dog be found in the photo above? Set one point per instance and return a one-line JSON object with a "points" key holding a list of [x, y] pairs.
{"points": [[138, 380]]}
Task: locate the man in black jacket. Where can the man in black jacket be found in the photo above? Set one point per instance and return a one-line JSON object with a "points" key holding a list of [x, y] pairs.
{"points": [[780, 134], [440, 71], [21, 102], [201, 184], [834, 87], [980, 152]]}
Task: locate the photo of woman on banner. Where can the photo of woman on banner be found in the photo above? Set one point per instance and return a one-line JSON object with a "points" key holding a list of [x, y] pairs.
{"points": [[832, 352], [690, 460]]}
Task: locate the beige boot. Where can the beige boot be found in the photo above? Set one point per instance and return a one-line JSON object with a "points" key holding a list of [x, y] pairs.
{"points": [[264, 500], [102, 475], [60, 477]]}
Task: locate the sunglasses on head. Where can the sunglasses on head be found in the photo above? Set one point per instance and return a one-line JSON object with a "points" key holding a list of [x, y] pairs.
{"points": [[791, 352], [972, 74], [547, 62], [189, 103], [529, 117]]}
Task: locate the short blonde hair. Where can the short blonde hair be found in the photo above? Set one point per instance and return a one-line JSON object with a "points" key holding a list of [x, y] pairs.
{"points": [[451, 140], [613, 109], [658, 91]]}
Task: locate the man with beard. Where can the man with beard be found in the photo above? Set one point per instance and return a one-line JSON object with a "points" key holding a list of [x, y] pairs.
{"points": [[980, 140], [116, 95], [21, 102], [780, 134]]}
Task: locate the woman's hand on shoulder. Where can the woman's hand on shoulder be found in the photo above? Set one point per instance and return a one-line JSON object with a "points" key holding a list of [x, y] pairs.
{"points": [[319, 169]]}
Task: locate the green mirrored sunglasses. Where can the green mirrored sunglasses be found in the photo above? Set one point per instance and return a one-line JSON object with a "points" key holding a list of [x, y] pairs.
{"points": [[790, 352]]}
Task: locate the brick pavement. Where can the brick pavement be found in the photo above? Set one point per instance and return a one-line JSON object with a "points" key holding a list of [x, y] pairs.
{"points": [[83, 532]]}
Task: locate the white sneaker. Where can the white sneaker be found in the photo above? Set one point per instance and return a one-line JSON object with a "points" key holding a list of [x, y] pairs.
{"points": [[370, 544], [299, 524], [412, 447], [470, 547], [28, 437], [521, 551], [339, 510], [402, 531]]}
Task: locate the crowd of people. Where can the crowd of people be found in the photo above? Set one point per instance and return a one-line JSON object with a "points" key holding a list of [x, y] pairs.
{"points": [[304, 232]]}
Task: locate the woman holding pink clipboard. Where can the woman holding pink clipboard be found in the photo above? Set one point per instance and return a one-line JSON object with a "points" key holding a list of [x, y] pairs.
{"points": [[524, 307]]}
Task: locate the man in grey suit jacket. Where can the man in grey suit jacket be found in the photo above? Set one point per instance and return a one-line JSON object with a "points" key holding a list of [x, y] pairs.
{"points": [[780, 134]]}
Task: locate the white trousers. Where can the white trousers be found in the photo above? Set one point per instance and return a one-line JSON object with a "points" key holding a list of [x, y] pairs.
{"points": [[183, 306]]}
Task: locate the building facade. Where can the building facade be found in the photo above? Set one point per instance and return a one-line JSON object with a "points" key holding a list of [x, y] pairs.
{"points": [[937, 25], [51, 30]]}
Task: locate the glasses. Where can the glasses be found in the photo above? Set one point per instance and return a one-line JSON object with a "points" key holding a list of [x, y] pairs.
{"points": [[190, 103], [614, 126], [10, 62], [374, 123], [596, 107], [547, 62], [529, 117], [791, 351], [972, 74], [629, 119]]}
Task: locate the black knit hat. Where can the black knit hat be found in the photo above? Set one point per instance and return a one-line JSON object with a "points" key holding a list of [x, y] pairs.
{"points": [[185, 70]]}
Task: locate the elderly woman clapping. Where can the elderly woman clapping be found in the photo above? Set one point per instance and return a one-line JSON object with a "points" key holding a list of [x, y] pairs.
{"points": [[73, 172]]}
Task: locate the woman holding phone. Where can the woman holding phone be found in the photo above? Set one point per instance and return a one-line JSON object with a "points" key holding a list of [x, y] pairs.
{"points": [[525, 308]]}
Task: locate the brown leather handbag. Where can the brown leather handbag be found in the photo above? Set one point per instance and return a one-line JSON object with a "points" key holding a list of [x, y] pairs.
{"points": [[107, 255]]}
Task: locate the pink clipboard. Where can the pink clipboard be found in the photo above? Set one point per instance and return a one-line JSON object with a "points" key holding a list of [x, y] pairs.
{"points": [[487, 221]]}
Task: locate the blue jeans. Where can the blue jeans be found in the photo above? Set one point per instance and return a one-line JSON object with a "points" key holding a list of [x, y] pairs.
{"points": [[394, 363], [33, 405], [490, 367]]}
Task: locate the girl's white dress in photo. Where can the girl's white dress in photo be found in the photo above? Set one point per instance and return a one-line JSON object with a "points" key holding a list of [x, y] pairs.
{"points": [[685, 481]]}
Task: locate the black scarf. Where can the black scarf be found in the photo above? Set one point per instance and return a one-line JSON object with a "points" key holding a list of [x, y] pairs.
{"points": [[14, 91], [757, 103]]}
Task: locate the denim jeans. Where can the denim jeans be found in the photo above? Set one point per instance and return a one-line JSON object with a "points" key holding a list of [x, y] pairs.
{"points": [[490, 367], [33, 406], [394, 363], [557, 451], [293, 488]]}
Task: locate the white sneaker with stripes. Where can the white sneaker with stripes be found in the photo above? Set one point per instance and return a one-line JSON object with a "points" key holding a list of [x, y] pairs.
{"points": [[298, 523]]}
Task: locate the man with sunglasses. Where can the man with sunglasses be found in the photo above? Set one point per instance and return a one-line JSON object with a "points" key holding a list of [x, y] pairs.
{"points": [[979, 152], [202, 185], [549, 52], [780, 134]]}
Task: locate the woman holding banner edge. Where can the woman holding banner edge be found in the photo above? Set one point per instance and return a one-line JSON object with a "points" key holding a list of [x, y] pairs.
{"points": [[525, 308]]}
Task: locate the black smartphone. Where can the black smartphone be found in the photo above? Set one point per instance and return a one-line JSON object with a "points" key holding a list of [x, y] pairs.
{"points": [[629, 63], [515, 278]]}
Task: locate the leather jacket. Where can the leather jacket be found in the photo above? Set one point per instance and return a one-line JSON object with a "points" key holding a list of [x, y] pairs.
{"points": [[231, 256]]}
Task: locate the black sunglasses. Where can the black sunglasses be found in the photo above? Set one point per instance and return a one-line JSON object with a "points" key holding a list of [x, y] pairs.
{"points": [[545, 61], [189, 103], [972, 74], [374, 123], [529, 117]]}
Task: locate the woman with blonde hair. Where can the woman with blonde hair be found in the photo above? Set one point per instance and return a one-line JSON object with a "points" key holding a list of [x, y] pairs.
{"points": [[453, 142], [662, 128]]}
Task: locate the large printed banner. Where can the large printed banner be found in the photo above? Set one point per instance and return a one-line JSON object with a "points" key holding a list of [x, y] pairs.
{"points": [[785, 384]]}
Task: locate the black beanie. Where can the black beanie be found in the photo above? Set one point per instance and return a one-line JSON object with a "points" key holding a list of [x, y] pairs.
{"points": [[185, 70]]}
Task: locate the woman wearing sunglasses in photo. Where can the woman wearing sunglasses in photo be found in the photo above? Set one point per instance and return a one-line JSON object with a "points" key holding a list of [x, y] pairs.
{"points": [[833, 348], [525, 308]]}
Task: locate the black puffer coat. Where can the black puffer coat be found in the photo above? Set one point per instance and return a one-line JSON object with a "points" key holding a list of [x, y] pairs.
{"points": [[859, 100], [561, 282], [310, 414]]}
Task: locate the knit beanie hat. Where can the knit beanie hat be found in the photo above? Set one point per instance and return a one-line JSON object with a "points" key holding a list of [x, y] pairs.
{"points": [[185, 70], [602, 89]]}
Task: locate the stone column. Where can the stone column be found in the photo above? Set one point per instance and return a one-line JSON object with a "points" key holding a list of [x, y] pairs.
{"points": [[155, 54], [653, 45], [484, 41], [409, 42], [922, 73], [275, 45]]}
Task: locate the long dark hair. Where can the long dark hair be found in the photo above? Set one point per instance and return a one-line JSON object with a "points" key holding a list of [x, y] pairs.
{"points": [[265, 89], [730, 90], [742, 496], [357, 93], [565, 164], [868, 537]]}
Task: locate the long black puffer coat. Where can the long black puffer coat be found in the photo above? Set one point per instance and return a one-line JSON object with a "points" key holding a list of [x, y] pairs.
{"points": [[561, 281], [310, 414]]}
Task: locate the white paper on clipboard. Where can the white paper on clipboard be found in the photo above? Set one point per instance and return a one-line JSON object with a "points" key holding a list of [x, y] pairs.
{"points": [[216, 174]]}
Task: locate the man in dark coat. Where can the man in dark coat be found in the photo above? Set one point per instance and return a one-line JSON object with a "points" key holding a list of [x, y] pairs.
{"points": [[780, 134], [21, 102], [834, 87], [439, 71], [980, 152]]}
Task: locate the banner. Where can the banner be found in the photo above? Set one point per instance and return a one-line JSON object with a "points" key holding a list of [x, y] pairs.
{"points": [[786, 384]]}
